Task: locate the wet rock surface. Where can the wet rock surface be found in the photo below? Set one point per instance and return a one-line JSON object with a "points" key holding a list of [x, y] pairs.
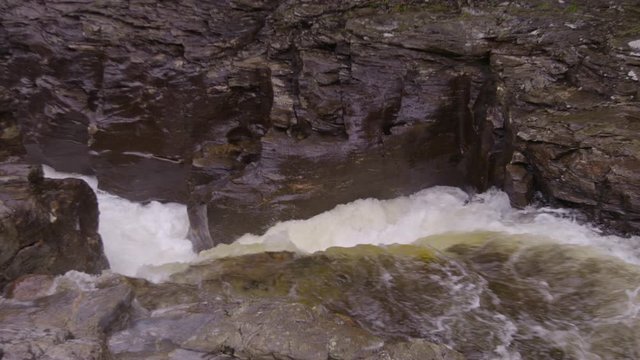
{"points": [[272, 110], [69, 321], [487, 295], [588, 159], [112, 317], [47, 226], [256, 111]]}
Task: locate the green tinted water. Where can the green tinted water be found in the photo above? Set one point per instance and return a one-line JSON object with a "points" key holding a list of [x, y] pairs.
{"points": [[488, 295]]}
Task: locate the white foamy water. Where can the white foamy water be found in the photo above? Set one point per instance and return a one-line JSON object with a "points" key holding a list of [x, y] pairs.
{"points": [[581, 301], [433, 211], [135, 235], [139, 238]]}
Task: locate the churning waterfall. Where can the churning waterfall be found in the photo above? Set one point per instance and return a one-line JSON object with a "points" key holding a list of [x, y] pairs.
{"points": [[509, 283], [135, 234]]}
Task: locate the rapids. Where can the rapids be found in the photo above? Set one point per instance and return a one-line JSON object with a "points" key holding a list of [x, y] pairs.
{"points": [[501, 283], [138, 234]]}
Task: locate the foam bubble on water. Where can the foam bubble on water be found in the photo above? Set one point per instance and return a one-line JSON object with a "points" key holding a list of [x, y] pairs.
{"points": [[633, 310], [73, 280], [136, 234], [508, 330]]}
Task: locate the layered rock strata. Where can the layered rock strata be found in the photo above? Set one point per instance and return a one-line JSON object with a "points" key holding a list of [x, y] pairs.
{"points": [[252, 112], [46, 226], [113, 317]]}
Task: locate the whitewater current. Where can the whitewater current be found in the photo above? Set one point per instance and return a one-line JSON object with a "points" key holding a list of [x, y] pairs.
{"points": [[521, 283], [136, 235]]}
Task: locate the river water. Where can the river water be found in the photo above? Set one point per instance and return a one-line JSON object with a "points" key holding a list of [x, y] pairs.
{"points": [[499, 283]]}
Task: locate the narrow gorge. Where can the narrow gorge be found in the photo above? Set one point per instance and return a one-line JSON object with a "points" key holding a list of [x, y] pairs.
{"points": [[469, 172]]}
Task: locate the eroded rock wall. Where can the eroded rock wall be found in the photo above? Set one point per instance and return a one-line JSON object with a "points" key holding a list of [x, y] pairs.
{"points": [[252, 112], [46, 226]]}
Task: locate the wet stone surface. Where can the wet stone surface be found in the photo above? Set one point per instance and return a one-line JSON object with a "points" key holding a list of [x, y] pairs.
{"points": [[282, 109], [484, 296]]}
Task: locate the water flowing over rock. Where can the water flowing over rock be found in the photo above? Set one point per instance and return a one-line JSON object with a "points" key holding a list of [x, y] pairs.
{"points": [[251, 112], [275, 109], [112, 317], [485, 295]]}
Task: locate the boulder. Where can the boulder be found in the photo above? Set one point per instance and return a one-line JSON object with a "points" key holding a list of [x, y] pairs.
{"points": [[69, 321], [113, 317], [47, 226], [588, 159]]}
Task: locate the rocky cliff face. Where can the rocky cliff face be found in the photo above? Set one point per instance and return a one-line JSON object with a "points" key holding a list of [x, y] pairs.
{"points": [[46, 226], [257, 111]]}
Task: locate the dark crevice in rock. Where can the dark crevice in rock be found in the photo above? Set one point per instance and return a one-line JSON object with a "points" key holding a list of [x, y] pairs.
{"points": [[25, 248], [301, 128]]}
